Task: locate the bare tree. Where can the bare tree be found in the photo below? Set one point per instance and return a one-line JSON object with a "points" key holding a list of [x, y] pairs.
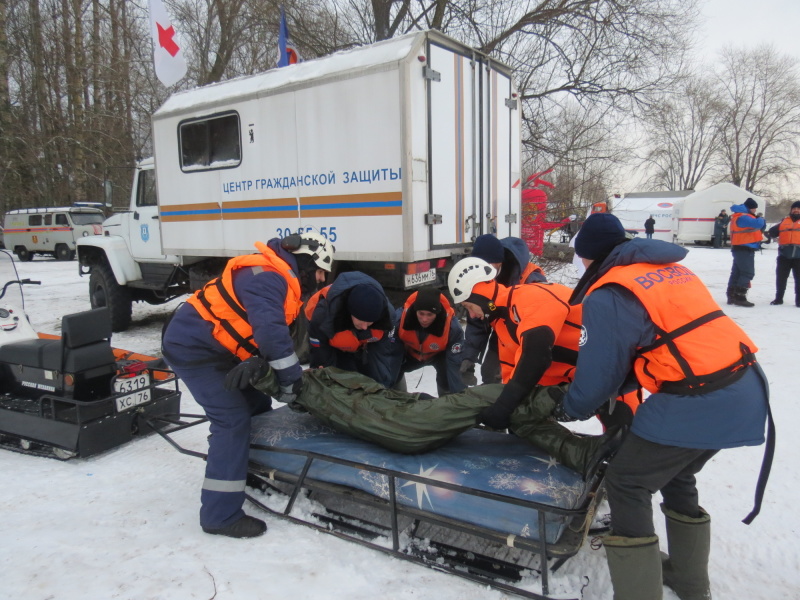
{"points": [[684, 131], [761, 92]]}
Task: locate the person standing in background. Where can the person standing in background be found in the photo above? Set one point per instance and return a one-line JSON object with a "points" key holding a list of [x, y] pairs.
{"points": [[650, 227], [720, 228], [788, 234], [746, 236]]}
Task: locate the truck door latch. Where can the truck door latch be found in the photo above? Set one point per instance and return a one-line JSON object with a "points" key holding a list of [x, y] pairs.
{"points": [[431, 219], [511, 218], [429, 73]]}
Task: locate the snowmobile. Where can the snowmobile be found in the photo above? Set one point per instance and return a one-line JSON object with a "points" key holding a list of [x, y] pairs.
{"points": [[73, 395]]}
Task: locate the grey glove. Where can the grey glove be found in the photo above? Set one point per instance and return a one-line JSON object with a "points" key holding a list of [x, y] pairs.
{"points": [[246, 373], [467, 370]]}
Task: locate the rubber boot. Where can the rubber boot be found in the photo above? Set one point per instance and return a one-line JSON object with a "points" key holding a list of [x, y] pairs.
{"points": [[729, 294], [740, 297], [635, 567], [685, 568]]}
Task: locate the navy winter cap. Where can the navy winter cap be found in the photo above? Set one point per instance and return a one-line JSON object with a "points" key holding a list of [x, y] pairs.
{"points": [[796, 204], [598, 236], [488, 248], [750, 203], [365, 303], [428, 298]]}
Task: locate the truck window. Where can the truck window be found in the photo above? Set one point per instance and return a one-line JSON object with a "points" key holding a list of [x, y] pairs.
{"points": [[212, 143], [61, 219], [35, 220], [146, 188], [86, 218], [48, 219]]}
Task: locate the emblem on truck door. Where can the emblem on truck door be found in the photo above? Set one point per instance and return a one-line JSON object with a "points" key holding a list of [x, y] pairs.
{"points": [[145, 233]]}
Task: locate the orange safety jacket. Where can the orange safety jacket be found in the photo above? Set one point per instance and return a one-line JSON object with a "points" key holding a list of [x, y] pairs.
{"points": [[535, 305], [529, 270], [346, 340], [217, 302], [432, 344], [789, 232], [697, 348], [743, 235]]}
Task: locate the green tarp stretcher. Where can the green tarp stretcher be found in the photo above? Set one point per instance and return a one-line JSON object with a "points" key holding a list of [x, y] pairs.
{"points": [[412, 423]]}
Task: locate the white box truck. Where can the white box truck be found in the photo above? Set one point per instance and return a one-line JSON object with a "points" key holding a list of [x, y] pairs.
{"points": [[401, 153]]}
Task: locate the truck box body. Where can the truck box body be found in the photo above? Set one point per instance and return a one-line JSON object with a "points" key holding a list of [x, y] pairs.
{"points": [[401, 151]]}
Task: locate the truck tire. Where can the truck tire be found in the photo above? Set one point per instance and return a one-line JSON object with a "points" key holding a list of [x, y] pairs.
{"points": [[105, 291], [62, 252], [23, 254]]}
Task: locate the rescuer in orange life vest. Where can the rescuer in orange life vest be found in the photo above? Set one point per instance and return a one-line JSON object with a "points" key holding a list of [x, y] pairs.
{"points": [[788, 234], [514, 264], [645, 313], [537, 333], [225, 338], [350, 327], [431, 335], [746, 236]]}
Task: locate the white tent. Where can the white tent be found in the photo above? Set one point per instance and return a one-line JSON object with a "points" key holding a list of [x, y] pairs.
{"points": [[694, 215], [634, 209]]}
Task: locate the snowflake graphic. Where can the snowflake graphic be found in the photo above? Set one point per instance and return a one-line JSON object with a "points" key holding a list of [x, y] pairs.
{"points": [[478, 463], [379, 485], [504, 481]]}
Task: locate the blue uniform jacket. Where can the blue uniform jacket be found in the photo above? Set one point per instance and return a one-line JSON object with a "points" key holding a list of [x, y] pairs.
{"points": [[517, 257], [188, 340], [615, 324], [381, 360], [748, 220]]}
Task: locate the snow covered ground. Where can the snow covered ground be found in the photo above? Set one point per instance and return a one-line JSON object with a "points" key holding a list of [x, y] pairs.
{"points": [[124, 524]]}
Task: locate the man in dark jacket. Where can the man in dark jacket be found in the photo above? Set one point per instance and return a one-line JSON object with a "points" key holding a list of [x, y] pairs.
{"points": [[650, 227], [429, 331], [223, 340], [645, 314], [721, 228], [514, 264], [350, 327], [787, 232]]}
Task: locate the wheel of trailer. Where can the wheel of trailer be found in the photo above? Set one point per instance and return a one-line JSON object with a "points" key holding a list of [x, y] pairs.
{"points": [[105, 291], [23, 254], [63, 252]]}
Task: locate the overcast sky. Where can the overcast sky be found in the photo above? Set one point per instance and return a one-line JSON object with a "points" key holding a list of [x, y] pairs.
{"points": [[750, 23]]}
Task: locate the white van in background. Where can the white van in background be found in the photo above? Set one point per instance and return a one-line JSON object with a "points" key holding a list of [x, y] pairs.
{"points": [[54, 231]]}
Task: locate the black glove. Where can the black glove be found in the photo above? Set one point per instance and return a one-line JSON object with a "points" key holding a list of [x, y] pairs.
{"points": [[467, 370], [246, 373], [498, 415], [289, 393]]}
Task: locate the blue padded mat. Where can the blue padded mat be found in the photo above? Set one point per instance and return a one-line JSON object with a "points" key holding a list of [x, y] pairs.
{"points": [[483, 460]]}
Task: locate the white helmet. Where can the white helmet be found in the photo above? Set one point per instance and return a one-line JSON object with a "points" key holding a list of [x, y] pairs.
{"points": [[313, 243], [466, 274]]}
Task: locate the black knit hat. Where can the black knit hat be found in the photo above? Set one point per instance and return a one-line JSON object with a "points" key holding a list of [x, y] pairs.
{"points": [[598, 236], [488, 248], [750, 204], [365, 303], [795, 205], [428, 298]]}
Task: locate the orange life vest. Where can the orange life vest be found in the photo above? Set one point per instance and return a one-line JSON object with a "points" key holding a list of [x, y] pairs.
{"points": [[432, 344], [529, 270], [217, 302], [346, 340], [696, 345], [535, 305], [743, 235], [789, 232]]}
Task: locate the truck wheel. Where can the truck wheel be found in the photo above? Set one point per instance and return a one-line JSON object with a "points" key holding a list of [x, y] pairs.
{"points": [[62, 252], [105, 291], [23, 254]]}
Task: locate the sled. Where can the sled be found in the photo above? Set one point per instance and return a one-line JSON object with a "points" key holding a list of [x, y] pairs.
{"points": [[487, 506]]}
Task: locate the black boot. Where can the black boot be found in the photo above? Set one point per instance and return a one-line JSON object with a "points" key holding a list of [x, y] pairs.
{"points": [[739, 296], [777, 301], [729, 294], [246, 527]]}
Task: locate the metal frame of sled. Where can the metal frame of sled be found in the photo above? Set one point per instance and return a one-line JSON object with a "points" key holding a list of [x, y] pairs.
{"points": [[463, 563]]}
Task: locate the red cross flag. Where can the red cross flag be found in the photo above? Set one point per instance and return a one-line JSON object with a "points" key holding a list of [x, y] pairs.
{"points": [[167, 52]]}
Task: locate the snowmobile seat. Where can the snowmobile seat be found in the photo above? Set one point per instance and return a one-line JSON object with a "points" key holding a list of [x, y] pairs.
{"points": [[84, 347]]}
